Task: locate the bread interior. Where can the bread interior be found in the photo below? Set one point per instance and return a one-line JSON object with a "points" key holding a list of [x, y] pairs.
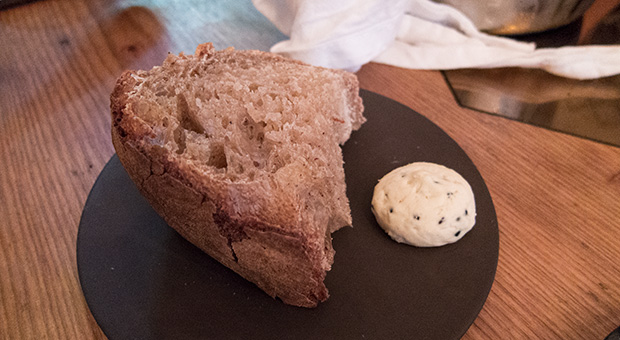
{"points": [[244, 119]]}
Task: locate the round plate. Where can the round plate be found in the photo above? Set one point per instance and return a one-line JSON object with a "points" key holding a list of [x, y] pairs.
{"points": [[142, 280]]}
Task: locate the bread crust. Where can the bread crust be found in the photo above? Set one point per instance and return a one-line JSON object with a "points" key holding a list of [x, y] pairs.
{"points": [[258, 237]]}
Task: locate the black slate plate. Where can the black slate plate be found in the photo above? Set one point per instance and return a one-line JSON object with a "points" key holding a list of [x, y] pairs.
{"points": [[142, 280]]}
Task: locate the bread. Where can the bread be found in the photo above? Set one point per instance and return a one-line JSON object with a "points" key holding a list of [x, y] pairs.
{"points": [[239, 152]]}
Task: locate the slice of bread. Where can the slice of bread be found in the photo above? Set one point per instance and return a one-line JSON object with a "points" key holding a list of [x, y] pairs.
{"points": [[239, 152]]}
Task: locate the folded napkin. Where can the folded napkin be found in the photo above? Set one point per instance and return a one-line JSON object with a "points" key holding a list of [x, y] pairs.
{"points": [[418, 34]]}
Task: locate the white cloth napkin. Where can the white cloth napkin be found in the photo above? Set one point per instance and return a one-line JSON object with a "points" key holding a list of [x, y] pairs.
{"points": [[418, 34]]}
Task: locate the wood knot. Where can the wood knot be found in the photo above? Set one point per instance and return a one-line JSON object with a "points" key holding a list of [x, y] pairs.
{"points": [[615, 178], [136, 36]]}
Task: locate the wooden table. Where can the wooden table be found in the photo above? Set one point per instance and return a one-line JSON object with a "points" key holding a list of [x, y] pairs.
{"points": [[557, 197]]}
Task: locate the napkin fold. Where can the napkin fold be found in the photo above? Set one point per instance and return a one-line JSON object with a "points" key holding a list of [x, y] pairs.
{"points": [[417, 34]]}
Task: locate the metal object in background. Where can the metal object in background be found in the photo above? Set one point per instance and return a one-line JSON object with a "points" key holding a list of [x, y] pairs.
{"points": [[587, 108], [508, 17]]}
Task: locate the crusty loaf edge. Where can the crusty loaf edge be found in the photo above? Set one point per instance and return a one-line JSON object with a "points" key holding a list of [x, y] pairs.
{"points": [[189, 203]]}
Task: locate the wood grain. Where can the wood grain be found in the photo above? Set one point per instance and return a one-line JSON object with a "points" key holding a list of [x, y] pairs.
{"points": [[556, 195]]}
